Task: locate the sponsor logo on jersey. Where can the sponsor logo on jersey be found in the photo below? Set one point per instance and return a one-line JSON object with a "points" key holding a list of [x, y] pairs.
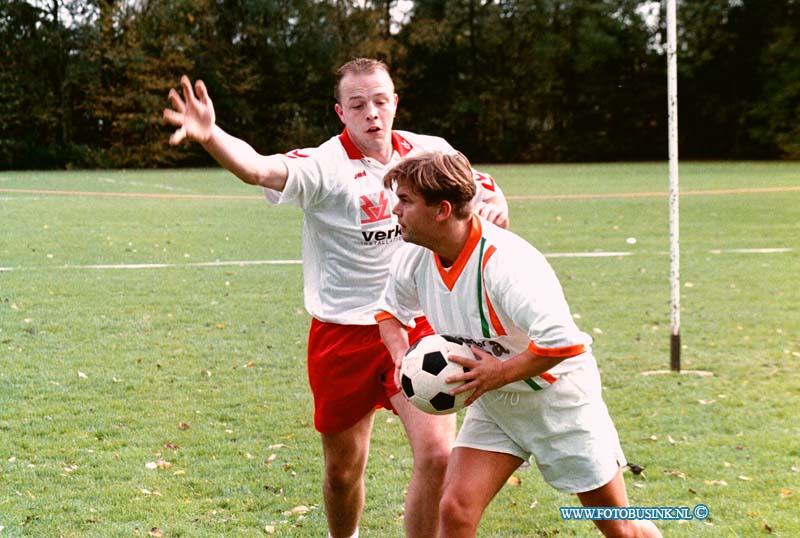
{"points": [[362, 173], [490, 346], [295, 154], [375, 208], [381, 237], [485, 180]]}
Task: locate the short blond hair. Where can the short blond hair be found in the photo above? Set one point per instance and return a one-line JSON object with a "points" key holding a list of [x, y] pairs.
{"points": [[357, 66], [437, 177]]}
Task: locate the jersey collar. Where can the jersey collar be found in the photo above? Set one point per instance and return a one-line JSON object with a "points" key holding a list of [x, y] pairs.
{"points": [[450, 276], [399, 144]]}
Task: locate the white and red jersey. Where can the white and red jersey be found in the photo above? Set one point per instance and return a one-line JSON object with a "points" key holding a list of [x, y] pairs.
{"points": [[500, 295], [349, 231]]}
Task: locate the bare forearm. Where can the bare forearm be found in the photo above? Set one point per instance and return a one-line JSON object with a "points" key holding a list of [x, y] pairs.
{"points": [[246, 163], [527, 365], [395, 338]]}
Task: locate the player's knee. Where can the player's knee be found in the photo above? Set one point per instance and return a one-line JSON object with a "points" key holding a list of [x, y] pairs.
{"points": [[432, 460], [455, 513], [340, 477]]}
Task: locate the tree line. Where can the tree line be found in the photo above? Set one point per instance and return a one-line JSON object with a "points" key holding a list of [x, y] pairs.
{"points": [[83, 82]]}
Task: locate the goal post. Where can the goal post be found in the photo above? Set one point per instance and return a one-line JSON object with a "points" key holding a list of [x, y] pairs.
{"points": [[674, 229]]}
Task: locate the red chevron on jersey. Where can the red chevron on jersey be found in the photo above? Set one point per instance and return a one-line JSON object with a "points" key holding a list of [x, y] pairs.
{"points": [[484, 179], [295, 154], [375, 210]]}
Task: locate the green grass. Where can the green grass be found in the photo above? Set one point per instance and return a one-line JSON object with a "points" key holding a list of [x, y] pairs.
{"points": [[100, 367]]}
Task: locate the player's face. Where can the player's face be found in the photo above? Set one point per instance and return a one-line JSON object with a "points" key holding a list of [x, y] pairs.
{"points": [[367, 108], [414, 216]]}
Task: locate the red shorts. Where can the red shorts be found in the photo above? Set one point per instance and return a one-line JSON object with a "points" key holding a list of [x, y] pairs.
{"points": [[351, 372]]}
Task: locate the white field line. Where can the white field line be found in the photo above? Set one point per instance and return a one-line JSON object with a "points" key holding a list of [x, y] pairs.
{"points": [[750, 251], [244, 263], [586, 254]]}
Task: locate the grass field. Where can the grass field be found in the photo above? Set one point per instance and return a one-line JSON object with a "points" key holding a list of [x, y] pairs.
{"points": [[150, 388]]}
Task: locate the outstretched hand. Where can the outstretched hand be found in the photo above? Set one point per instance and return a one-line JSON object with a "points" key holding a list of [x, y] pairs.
{"points": [[193, 115]]}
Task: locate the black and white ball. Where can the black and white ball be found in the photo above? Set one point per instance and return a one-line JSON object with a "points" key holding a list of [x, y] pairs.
{"points": [[425, 367]]}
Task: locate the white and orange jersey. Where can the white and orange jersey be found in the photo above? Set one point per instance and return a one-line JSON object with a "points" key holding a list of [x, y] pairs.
{"points": [[500, 295], [349, 231]]}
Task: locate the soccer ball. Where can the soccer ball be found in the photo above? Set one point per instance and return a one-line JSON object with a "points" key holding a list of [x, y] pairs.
{"points": [[424, 369]]}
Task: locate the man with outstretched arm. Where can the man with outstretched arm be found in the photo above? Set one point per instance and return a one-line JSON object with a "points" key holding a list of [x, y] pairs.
{"points": [[349, 236]]}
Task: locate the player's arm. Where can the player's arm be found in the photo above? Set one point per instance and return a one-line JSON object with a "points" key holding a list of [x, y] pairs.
{"points": [[487, 372], [495, 210], [195, 120], [395, 338], [490, 202]]}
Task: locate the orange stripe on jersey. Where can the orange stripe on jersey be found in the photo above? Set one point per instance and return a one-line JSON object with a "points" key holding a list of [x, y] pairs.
{"points": [[550, 378], [450, 276], [383, 316], [498, 327], [557, 352]]}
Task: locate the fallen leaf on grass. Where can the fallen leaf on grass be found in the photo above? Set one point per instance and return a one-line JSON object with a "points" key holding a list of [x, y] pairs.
{"points": [[183, 426], [299, 510], [715, 483], [81, 375], [786, 493], [171, 446], [269, 529], [675, 472], [158, 464], [155, 532], [513, 481], [250, 364], [767, 528], [745, 478], [145, 491]]}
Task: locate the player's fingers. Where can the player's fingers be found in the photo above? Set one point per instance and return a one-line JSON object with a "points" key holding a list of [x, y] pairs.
{"points": [[186, 87], [176, 101], [501, 219], [172, 117], [489, 212], [480, 354], [202, 91], [177, 137], [462, 361]]}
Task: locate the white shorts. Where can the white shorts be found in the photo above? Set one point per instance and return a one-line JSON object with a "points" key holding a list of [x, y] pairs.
{"points": [[565, 427]]}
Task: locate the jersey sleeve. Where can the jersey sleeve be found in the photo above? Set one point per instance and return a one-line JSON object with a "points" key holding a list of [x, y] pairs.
{"points": [[400, 298], [486, 187], [527, 289], [309, 181]]}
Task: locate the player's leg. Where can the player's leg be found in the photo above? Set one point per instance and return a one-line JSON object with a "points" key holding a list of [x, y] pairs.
{"points": [[614, 494], [343, 486], [431, 438], [473, 479]]}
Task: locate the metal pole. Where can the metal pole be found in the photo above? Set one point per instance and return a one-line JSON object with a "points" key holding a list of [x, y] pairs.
{"points": [[674, 243]]}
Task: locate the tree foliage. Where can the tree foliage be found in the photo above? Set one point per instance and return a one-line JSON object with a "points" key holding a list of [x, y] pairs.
{"points": [[83, 83]]}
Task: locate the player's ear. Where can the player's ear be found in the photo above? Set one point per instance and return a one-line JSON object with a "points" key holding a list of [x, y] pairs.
{"points": [[445, 210], [339, 111]]}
